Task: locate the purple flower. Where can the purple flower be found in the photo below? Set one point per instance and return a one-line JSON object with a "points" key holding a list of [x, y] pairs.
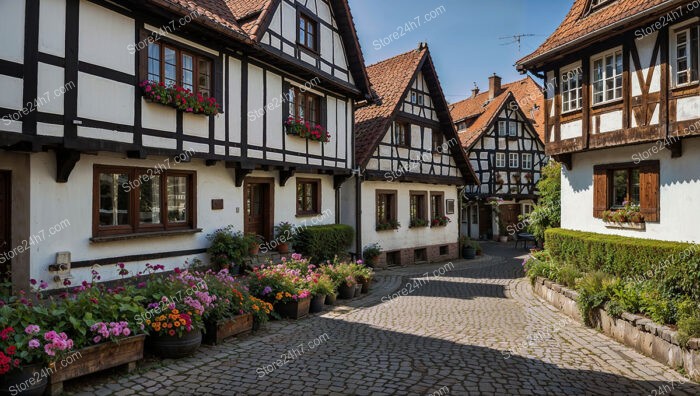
{"points": [[267, 290], [32, 329], [34, 344], [97, 339], [43, 285]]}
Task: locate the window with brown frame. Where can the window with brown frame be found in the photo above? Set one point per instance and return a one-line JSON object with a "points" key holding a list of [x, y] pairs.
{"points": [[437, 208], [402, 134], [438, 141], [418, 207], [175, 66], [308, 32], [139, 200], [615, 184], [304, 105], [386, 209], [308, 197]]}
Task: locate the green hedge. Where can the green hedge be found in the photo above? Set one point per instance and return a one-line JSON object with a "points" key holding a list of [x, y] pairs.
{"points": [[674, 266], [324, 242]]}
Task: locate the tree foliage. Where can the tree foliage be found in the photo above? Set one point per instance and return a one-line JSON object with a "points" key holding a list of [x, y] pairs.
{"points": [[547, 212]]}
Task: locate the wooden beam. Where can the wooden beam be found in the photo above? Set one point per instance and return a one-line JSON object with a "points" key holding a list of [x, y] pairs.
{"points": [[210, 162], [240, 176], [676, 149], [136, 154], [65, 162], [285, 175], [338, 180], [564, 159]]}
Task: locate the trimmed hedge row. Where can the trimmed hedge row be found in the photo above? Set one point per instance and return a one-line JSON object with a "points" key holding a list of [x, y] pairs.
{"points": [[675, 266], [324, 242]]}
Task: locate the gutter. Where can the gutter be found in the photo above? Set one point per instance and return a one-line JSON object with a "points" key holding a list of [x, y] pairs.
{"points": [[523, 66]]}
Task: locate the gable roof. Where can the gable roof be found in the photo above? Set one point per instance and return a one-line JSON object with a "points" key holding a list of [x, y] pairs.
{"points": [[583, 23], [481, 112], [391, 79], [247, 20]]}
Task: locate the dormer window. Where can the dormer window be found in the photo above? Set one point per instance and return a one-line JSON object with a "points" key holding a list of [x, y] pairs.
{"points": [[308, 33]]}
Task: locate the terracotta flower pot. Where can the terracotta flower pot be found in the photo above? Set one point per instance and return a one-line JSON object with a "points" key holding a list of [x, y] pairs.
{"points": [[365, 286], [26, 381], [317, 303], [174, 347], [346, 292], [283, 248]]}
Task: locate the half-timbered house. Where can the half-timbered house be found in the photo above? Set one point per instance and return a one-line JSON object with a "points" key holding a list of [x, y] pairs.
{"points": [[625, 125], [97, 166], [501, 131], [411, 162]]}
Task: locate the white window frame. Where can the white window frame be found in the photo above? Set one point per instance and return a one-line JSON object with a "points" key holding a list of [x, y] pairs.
{"points": [[615, 78], [502, 128], [500, 160], [571, 88], [513, 128], [690, 53], [513, 160], [528, 162]]}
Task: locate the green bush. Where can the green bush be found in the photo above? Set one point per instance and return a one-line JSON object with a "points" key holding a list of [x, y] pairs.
{"points": [[594, 291], [324, 242], [673, 267]]}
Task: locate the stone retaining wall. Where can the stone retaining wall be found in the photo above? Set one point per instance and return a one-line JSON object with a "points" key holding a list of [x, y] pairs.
{"points": [[653, 340]]}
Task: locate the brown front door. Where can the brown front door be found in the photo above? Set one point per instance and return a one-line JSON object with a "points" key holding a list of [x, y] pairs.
{"points": [[485, 224], [509, 217], [258, 208], [5, 216]]}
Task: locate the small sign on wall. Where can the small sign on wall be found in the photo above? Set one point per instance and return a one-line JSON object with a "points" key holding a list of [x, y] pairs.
{"points": [[450, 206], [217, 204]]}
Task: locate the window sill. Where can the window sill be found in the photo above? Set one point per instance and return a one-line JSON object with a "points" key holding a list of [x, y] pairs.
{"points": [[607, 103], [680, 88], [307, 215], [386, 229], [139, 235], [626, 226]]}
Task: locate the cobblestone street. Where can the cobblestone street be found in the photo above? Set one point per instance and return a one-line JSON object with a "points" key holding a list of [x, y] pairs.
{"points": [[451, 332]]}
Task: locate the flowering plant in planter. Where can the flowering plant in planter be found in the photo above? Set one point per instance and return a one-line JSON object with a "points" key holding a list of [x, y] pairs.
{"points": [[260, 309], [388, 225], [418, 223], [631, 213], [440, 221], [278, 284], [112, 331], [179, 98], [305, 129]]}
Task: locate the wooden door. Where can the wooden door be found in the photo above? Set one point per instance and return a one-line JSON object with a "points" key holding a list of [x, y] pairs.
{"points": [[5, 219], [509, 217], [258, 208], [485, 222]]}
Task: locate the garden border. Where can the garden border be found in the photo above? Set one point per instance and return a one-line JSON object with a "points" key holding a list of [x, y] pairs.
{"points": [[646, 337]]}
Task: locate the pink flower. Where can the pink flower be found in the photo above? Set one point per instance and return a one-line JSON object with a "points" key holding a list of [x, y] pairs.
{"points": [[34, 344], [148, 88], [97, 339], [32, 329], [126, 332]]}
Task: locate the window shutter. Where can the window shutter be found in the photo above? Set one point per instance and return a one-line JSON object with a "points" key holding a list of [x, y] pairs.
{"points": [[649, 185], [285, 100], [324, 113], [600, 192]]}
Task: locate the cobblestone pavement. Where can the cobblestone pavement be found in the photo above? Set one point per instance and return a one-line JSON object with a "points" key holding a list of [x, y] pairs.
{"points": [[450, 334]]}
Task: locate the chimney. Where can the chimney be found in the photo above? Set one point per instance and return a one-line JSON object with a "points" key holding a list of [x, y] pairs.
{"points": [[475, 90], [494, 86]]}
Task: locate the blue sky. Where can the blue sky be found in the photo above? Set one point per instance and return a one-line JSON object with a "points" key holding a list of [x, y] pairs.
{"points": [[463, 35]]}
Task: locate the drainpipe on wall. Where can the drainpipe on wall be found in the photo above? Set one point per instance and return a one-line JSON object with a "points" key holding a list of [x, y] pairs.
{"points": [[358, 215]]}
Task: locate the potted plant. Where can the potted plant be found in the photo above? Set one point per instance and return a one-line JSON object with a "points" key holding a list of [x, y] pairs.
{"points": [[468, 249], [363, 276], [283, 234], [253, 241], [388, 225], [260, 310], [286, 288], [230, 315], [346, 288], [419, 223], [228, 248], [440, 221], [320, 286], [370, 254]]}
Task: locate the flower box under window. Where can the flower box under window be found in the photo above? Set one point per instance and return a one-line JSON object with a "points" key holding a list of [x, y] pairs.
{"points": [[307, 130], [179, 98]]}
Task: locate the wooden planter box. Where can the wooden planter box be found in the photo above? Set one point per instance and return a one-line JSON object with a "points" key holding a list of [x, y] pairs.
{"points": [[218, 332], [627, 226], [97, 358], [295, 309]]}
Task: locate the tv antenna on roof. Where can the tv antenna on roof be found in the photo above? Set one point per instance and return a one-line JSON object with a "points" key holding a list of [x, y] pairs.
{"points": [[517, 38]]}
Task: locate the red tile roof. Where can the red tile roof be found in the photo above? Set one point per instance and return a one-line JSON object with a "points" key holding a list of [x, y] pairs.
{"points": [[480, 112], [390, 79], [581, 22]]}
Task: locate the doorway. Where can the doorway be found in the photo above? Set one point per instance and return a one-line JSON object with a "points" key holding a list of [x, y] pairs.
{"points": [[5, 221], [258, 207], [485, 221]]}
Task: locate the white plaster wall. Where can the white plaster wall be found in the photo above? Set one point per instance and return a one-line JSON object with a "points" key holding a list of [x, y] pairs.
{"points": [[688, 108], [680, 192], [570, 130], [406, 237], [52, 27], [117, 107], [609, 122], [12, 30], [49, 80], [11, 89], [104, 38], [73, 200], [235, 97]]}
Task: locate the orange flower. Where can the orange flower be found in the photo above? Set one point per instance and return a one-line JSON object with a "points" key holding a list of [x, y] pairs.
{"points": [[177, 324], [176, 312], [171, 332]]}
